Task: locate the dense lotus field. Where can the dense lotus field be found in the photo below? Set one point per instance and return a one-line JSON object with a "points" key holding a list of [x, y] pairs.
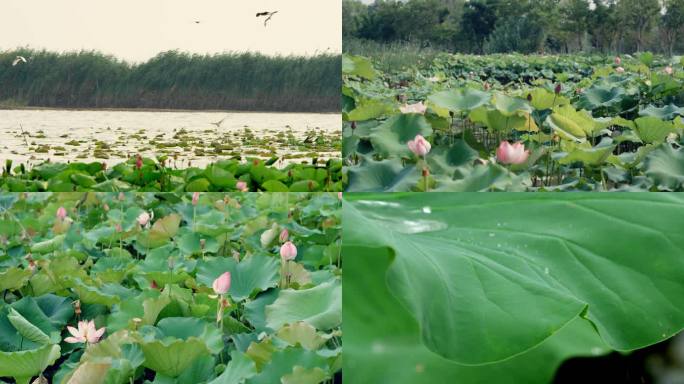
{"points": [[468, 288], [155, 175], [515, 123], [165, 288]]}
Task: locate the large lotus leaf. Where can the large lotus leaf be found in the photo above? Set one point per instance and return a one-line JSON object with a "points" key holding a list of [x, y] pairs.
{"points": [[50, 245], [589, 156], [239, 369], [390, 137], [369, 109], [498, 121], [174, 344], [252, 274], [383, 345], [486, 283], [378, 176], [511, 106], [282, 363], [652, 129], [161, 232], [545, 99], [483, 178], [583, 119], [89, 294], [665, 165], [460, 100], [320, 306], [14, 278], [667, 112], [566, 127], [358, 66], [601, 96], [303, 334], [25, 364], [26, 329]]}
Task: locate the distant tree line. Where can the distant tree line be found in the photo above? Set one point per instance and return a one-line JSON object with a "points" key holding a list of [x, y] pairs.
{"points": [[175, 80], [527, 26]]}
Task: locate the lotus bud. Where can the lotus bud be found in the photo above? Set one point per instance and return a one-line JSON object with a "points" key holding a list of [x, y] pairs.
{"points": [[195, 198], [419, 146], [284, 235], [222, 284], [288, 251]]}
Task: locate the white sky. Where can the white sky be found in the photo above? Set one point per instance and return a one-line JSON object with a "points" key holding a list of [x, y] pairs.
{"points": [[136, 30]]}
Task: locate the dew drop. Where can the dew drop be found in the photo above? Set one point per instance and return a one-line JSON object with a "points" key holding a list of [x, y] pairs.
{"points": [[546, 270], [491, 234], [427, 210], [596, 351]]}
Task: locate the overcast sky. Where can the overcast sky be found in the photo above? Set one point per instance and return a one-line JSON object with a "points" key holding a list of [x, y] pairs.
{"points": [[136, 30]]}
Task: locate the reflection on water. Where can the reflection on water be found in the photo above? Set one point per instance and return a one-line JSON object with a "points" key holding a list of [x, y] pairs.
{"points": [[111, 136], [400, 218]]}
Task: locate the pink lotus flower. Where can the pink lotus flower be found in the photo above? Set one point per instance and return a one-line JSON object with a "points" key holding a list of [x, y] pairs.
{"points": [[288, 251], [222, 284], [620, 70], [668, 70], [284, 235], [419, 146], [512, 154], [86, 333], [61, 213], [195, 198], [618, 60], [143, 219], [241, 186], [418, 107]]}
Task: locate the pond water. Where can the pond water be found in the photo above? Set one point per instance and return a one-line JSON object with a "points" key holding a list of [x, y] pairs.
{"points": [[187, 137]]}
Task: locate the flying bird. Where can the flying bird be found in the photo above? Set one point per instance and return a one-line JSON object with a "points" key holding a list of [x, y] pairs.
{"points": [[18, 60], [268, 14], [218, 123]]}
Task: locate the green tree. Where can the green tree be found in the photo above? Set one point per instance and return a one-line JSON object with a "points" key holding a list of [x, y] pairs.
{"points": [[575, 19], [640, 16], [672, 23], [479, 19]]}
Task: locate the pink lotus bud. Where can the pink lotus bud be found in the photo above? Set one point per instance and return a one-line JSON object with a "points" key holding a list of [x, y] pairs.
{"points": [[284, 235], [512, 154], [668, 70], [618, 60], [419, 146], [558, 89], [620, 70], [154, 285], [222, 284], [241, 186], [105, 207], [195, 198], [288, 251], [143, 219], [339, 196], [419, 108], [122, 197], [118, 228], [61, 213], [138, 162]]}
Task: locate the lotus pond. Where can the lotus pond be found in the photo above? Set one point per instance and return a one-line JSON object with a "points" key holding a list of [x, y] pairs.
{"points": [[505, 288], [582, 123], [152, 175], [170, 288]]}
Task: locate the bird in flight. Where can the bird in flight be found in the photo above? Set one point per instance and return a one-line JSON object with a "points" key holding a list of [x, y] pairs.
{"points": [[18, 60], [267, 14], [218, 123]]}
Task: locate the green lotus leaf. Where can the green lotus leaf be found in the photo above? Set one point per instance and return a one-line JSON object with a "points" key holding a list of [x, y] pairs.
{"points": [[589, 156], [667, 112], [174, 344], [369, 109], [358, 66], [383, 343], [511, 106], [601, 96], [239, 369], [26, 329], [282, 363], [665, 166], [527, 279], [93, 295], [161, 232], [461, 100], [301, 375], [303, 334], [50, 245], [320, 306], [545, 99], [652, 129], [14, 278], [250, 275], [566, 128], [22, 365], [377, 176], [390, 137]]}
